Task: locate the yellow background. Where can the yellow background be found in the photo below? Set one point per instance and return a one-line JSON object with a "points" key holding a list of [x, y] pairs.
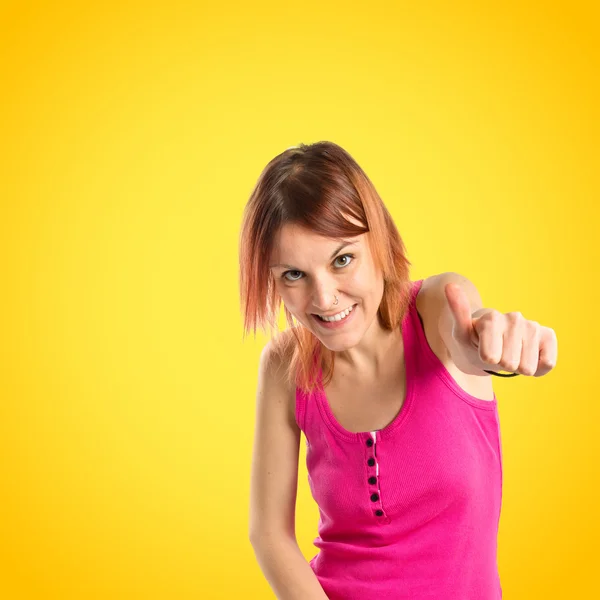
{"points": [[131, 136]]}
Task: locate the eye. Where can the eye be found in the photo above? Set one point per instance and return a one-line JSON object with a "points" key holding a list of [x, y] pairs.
{"points": [[284, 275], [344, 256], [351, 256]]}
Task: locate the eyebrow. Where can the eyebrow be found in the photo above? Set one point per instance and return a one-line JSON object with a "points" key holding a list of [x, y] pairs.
{"points": [[341, 247]]}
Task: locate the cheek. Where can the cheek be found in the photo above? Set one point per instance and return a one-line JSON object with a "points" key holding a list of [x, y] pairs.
{"points": [[361, 284], [290, 297], [369, 280]]}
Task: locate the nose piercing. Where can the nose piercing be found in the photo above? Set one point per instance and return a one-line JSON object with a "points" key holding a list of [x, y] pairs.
{"points": [[336, 300]]}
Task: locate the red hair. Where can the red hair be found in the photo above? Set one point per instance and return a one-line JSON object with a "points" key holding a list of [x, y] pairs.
{"points": [[321, 188]]}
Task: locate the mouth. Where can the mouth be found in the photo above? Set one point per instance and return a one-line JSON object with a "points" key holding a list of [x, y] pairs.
{"points": [[337, 324]]}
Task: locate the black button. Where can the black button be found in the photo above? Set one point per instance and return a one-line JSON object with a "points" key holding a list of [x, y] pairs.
{"points": [[374, 497], [379, 512], [370, 442], [371, 462], [372, 480]]}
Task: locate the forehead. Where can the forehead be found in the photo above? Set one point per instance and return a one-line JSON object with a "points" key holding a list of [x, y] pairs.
{"points": [[296, 245], [291, 235]]}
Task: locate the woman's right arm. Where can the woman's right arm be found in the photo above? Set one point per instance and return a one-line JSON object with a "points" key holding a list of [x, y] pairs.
{"points": [[273, 485]]}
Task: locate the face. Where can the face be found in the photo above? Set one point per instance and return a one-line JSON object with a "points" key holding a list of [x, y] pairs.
{"points": [[310, 270]]}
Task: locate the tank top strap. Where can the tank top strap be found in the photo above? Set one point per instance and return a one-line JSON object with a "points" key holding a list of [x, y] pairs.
{"points": [[411, 321], [412, 334], [416, 286]]}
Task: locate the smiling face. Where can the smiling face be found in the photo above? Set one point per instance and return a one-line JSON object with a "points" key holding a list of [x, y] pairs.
{"points": [[310, 270]]}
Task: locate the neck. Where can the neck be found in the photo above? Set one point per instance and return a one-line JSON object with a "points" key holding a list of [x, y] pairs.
{"points": [[373, 351]]}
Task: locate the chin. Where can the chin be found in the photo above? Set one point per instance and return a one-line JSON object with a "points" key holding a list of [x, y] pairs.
{"points": [[337, 345]]}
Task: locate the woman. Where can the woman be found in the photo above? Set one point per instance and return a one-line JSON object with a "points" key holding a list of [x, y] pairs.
{"points": [[389, 381]]}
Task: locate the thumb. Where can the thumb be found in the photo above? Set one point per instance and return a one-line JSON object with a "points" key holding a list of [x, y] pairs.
{"points": [[460, 309]]}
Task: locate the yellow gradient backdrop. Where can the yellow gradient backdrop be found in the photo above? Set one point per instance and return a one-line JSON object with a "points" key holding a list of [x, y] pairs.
{"points": [[131, 136]]}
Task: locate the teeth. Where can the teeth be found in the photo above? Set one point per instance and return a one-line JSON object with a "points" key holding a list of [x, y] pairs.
{"points": [[339, 316]]}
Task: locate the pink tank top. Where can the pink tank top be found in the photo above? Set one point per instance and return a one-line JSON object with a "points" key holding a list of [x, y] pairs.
{"points": [[411, 511]]}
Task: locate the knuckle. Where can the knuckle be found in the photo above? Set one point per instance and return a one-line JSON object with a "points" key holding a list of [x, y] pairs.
{"points": [[510, 365], [489, 358], [494, 317]]}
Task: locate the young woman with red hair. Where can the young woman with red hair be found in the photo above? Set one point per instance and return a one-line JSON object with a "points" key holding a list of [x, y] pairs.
{"points": [[387, 378]]}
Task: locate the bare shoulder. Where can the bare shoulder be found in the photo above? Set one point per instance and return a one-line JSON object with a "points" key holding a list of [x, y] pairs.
{"points": [[429, 308], [275, 360], [430, 301]]}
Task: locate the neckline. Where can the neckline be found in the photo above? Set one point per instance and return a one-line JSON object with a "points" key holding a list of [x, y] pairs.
{"points": [[330, 419]]}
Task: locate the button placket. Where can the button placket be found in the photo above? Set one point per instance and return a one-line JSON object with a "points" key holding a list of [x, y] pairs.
{"points": [[373, 480]]}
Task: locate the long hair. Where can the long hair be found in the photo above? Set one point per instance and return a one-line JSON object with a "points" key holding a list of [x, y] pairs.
{"points": [[321, 188]]}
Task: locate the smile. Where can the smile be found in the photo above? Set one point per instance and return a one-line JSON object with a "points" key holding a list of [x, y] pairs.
{"points": [[336, 321], [341, 315]]}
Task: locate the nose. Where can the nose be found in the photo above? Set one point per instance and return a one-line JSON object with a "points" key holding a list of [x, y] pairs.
{"points": [[323, 296]]}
